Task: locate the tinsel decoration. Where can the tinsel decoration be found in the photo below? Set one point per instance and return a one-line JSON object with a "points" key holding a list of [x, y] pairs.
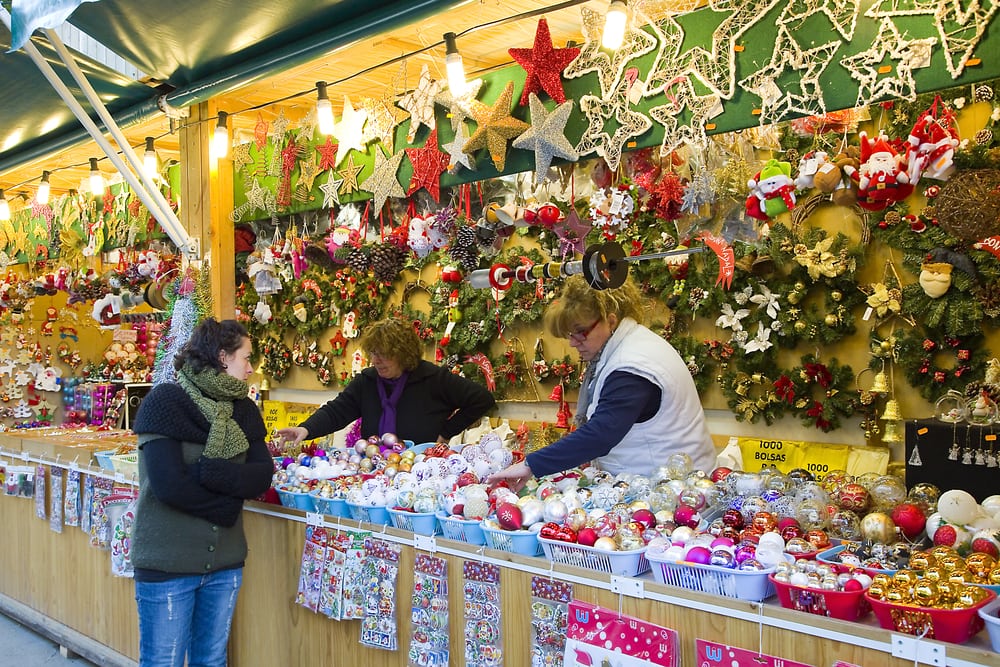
{"points": [[177, 329], [666, 196], [953, 210]]}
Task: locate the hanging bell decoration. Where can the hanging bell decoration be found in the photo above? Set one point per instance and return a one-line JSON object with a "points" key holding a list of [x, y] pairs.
{"points": [[880, 384], [265, 384], [562, 417], [891, 413], [557, 393], [892, 433]]}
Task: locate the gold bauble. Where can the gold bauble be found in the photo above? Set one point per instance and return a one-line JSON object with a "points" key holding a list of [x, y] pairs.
{"points": [[830, 320], [799, 326], [994, 577], [926, 593], [921, 560], [961, 577], [970, 596], [897, 595], [905, 579], [951, 563], [940, 551], [836, 295], [980, 565], [934, 574], [878, 527], [948, 593]]}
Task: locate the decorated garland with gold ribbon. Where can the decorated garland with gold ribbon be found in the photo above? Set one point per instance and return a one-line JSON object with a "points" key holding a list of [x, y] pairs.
{"points": [[819, 394]]}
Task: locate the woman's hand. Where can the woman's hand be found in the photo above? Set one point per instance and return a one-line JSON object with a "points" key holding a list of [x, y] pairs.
{"points": [[516, 476], [293, 434]]}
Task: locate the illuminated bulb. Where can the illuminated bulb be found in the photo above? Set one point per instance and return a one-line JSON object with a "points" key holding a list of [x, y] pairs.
{"points": [[324, 110], [220, 139], [614, 25], [96, 180], [4, 207], [149, 159], [42, 194], [454, 67]]}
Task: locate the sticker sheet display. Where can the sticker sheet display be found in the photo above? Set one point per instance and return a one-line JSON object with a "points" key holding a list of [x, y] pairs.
{"points": [[353, 584], [429, 642], [598, 636], [113, 506], [122, 518], [339, 588], [714, 654], [483, 645], [41, 511], [311, 567], [71, 499], [56, 499], [20, 481], [99, 534], [86, 505], [549, 615], [379, 627]]}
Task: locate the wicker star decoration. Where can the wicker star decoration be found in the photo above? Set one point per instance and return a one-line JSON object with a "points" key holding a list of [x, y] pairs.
{"points": [[546, 136], [496, 127], [327, 154], [459, 106], [865, 67], [420, 103], [428, 163], [383, 117], [241, 156], [681, 95], [349, 131], [331, 190], [383, 183], [350, 172], [279, 127], [609, 68], [843, 14], [599, 111], [543, 65], [308, 170], [256, 195], [456, 156]]}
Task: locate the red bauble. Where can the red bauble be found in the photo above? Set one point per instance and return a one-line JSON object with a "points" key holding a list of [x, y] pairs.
{"points": [[733, 518], [566, 534], [587, 537], [645, 517], [720, 474], [910, 519], [509, 516], [466, 478], [854, 497], [549, 531]]}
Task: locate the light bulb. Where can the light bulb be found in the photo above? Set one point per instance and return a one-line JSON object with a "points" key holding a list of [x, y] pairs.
{"points": [[42, 194], [454, 67], [220, 139], [324, 110], [4, 207], [614, 25], [149, 159], [96, 180]]}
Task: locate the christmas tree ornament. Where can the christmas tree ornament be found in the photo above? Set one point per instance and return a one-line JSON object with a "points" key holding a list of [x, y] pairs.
{"points": [[420, 103], [772, 191], [383, 182], [935, 278], [348, 131], [543, 65], [331, 190], [428, 163], [308, 170], [599, 111], [456, 156], [349, 176], [260, 132], [495, 127], [546, 136], [933, 141]]}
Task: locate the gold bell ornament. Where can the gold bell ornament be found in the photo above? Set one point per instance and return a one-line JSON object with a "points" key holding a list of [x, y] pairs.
{"points": [[892, 433], [891, 412], [880, 384], [892, 416]]}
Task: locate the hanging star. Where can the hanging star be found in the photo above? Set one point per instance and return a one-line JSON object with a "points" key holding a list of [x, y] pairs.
{"points": [[456, 156], [495, 127], [330, 190], [843, 14], [420, 103], [279, 127], [609, 67], [256, 195], [546, 136], [428, 163], [459, 106], [572, 233], [260, 132], [348, 130], [383, 117], [596, 139], [350, 172], [328, 154], [383, 183], [308, 170], [241, 156], [961, 31], [543, 65], [307, 126], [866, 67], [680, 96]]}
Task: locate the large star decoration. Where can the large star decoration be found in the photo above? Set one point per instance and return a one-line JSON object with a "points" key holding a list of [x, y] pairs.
{"points": [[456, 156], [331, 190], [680, 96], [592, 58], [543, 65], [495, 127], [546, 136], [327, 154], [459, 106], [350, 172], [428, 163], [866, 67], [843, 14], [383, 117], [257, 195], [572, 233], [420, 103], [599, 111], [348, 130], [383, 183]]}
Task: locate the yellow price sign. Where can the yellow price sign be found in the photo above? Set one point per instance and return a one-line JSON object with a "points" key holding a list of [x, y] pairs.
{"points": [[274, 416], [760, 452], [822, 458]]}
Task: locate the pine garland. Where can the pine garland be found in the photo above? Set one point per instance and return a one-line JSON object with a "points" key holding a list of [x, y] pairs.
{"points": [[819, 394]]}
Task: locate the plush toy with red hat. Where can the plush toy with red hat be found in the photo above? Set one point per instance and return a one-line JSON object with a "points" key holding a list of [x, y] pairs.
{"points": [[772, 191], [882, 178], [933, 141]]}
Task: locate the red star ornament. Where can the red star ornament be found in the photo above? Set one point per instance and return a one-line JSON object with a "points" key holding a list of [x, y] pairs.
{"points": [[428, 163], [328, 155], [544, 65]]}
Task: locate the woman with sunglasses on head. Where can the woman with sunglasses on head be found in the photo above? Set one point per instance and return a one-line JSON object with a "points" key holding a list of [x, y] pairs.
{"points": [[637, 403]]}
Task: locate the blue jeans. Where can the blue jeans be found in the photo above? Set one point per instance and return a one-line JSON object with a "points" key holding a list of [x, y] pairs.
{"points": [[189, 615]]}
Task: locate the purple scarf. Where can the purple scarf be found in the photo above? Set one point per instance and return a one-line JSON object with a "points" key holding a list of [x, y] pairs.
{"points": [[387, 422]]}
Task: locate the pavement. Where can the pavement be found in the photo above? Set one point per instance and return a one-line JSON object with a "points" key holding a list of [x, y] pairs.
{"points": [[21, 646]]}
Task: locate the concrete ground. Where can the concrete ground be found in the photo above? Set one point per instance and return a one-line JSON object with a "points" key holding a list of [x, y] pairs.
{"points": [[20, 646]]}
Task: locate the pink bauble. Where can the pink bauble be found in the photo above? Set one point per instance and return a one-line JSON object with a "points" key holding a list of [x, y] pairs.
{"points": [[699, 555], [685, 515], [587, 537], [645, 517]]}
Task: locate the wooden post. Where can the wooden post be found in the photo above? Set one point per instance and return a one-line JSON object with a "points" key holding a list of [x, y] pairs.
{"points": [[206, 201]]}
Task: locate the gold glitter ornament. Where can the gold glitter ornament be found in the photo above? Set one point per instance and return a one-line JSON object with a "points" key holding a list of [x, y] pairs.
{"points": [[495, 127]]}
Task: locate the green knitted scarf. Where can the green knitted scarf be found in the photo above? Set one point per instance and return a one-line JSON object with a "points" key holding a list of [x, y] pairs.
{"points": [[214, 392]]}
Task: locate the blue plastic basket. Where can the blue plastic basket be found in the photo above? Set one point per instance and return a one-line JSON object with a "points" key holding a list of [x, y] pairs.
{"points": [[300, 500], [422, 523], [330, 506], [524, 542], [376, 515], [104, 459], [464, 530]]}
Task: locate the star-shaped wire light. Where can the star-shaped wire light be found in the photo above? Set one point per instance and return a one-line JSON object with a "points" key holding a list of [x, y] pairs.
{"points": [[680, 96], [866, 67], [383, 183], [495, 127], [599, 111], [546, 136], [349, 172], [456, 156], [609, 67], [383, 117], [420, 102], [349, 130], [543, 65], [843, 14], [327, 154], [428, 163], [459, 106], [331, 190]]}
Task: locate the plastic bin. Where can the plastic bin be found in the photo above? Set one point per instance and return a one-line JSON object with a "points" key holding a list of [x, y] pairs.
{"points": [[330, 506], [830, 557], [104, 459], [626, 563], [422, 523], [989, 614], [126, 464], [947, 625], [376, 515], [300, 500], [743, 585], [464, 530], [524, 542], [844, 605]]}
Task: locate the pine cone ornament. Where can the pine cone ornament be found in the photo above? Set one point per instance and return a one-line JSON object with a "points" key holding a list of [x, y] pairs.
{"points": [[468, 257], [358, 260], [983, 93], [386, 262], [984, 137]]}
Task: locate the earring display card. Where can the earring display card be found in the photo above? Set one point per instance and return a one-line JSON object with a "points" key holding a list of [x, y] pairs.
{"points": [[379, 627], [429, 645], [952, 456], [549, 614], [56, 500]]}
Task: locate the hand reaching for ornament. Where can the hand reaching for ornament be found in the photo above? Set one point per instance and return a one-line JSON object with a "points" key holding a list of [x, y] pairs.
{"points": [[516, 476], [293, 434]]}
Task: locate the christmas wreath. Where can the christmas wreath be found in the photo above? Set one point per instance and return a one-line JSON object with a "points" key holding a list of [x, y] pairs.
{"points": [[819, 394], [936, 364], [751, 396], [277, 358]]}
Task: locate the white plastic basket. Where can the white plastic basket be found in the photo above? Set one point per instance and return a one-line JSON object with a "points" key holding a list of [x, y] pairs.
{"points": [[464, 530], [625, 563], [992, 621], [743, 585]]}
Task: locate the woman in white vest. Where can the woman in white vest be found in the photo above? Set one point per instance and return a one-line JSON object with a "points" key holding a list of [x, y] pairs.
{"points": [[637, 404]]}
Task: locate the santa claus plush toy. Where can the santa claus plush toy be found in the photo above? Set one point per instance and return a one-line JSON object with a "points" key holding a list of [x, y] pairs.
{"points": [[772, 191], [932, 143], [882, 178]]}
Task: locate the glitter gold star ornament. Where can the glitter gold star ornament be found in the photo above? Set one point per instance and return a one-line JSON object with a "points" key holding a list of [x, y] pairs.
{"points": [[428, 163], [546, 136], [543, 65], [420, 103], [495, 127], [349, 130], [350, 172], [383, 183]]}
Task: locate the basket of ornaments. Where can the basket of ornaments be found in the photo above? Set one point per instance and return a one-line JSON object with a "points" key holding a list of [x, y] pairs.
{"points": [[830, 590]]}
